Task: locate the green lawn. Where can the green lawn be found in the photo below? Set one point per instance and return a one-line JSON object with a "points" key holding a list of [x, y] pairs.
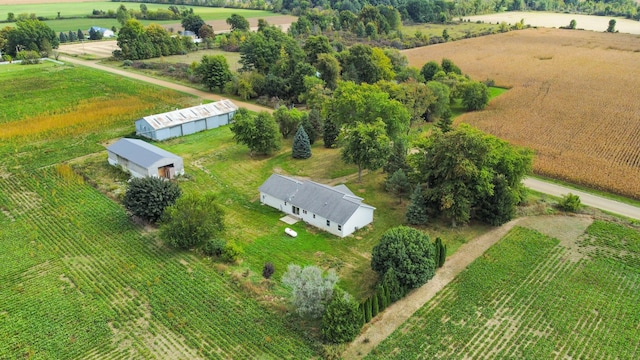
{"points": [[529, 297]]}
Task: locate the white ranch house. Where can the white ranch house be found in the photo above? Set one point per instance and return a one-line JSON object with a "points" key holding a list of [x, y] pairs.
{"points": [[186, 121], [142, 159], [333, 209]]}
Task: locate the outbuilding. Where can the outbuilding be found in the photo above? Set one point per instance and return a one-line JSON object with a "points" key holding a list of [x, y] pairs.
{"points": [[106, 33], [142, 159], [186, 121], [334, 209]]}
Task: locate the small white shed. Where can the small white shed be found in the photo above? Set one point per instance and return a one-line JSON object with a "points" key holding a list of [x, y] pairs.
{"points": [[143, 159]]}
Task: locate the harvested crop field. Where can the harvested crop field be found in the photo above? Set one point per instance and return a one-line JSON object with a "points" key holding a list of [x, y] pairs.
{"points": [[573, 99]]}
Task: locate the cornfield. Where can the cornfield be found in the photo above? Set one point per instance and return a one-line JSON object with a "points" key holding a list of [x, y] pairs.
{"points": [[572, 99]]}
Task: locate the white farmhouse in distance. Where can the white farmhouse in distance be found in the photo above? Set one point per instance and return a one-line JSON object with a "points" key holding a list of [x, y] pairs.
{"points": [[106, 33], [333, 209]]}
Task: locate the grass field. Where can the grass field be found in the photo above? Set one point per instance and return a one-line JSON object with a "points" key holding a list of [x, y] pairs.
{"points": [[534, 297], [571, 100], [456, 31], [74, 14]]}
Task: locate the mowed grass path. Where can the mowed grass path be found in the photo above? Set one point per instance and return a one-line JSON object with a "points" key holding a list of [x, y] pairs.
{"points": [[530, 297]]}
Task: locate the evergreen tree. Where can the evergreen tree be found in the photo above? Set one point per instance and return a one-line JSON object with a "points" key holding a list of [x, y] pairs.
{"points": [[375, 306], [63, 38], [342, 318], [301, 145], [445, 123], [330, 134], [390, 281], [73, 36], [437, 246], [398, 184], [80, 35], [311, 124], [367, 310], [397, 159], [417, 211]]}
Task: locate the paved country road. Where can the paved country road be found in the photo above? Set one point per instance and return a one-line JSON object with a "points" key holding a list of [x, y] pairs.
{"points": [[163, 83], [598, 202]]}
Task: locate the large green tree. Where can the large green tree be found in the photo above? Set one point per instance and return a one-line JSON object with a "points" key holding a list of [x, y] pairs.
{"points": [[366, 103], [29, 34], [362, 63], [238, 23], [148, 197], [192, 22], [475, 95], [409, 252], [288, 119], [259, 132], [366, 145], [192, 220], [214, 71], [460, 169]]}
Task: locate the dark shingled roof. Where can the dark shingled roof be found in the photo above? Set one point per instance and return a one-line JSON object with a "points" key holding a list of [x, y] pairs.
{"points": [[336, 204], [140, 152]]}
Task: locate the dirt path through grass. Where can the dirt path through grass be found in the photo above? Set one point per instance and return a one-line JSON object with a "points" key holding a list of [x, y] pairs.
{"points": [[159, 82], [390, 319]]}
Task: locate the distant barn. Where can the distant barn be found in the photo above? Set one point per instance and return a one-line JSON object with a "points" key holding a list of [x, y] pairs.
{"points": [[186, 121], [142, 159]]}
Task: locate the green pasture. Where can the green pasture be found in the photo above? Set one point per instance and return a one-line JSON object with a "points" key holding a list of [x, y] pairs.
{"points": [[530, 297], [74, 15], [456, 30], [82, 9]]}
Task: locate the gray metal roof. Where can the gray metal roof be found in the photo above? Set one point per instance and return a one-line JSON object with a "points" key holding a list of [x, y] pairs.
{"points": [[140, 152], [336, 204], [180, 116]]}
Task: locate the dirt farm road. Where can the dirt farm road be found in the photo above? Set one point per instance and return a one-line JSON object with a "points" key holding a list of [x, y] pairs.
{"points": [[159, 82]]}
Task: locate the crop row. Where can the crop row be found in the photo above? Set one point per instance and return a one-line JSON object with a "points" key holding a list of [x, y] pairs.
{"points": [[123, 283], [527, 299]]}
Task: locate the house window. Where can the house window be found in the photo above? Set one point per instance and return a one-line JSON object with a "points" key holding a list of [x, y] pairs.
{"points": [[285, 203], [295, 210], [339, 227], [304, 211], [314, 216], [328, 223]]}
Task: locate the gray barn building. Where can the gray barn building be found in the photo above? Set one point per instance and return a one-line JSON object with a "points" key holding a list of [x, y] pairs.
{"points": [[186, 121], [143, 159]]}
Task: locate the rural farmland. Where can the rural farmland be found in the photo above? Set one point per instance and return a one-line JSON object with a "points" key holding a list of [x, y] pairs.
{"points": [[570, 294], [570, 100], [88, 274]]}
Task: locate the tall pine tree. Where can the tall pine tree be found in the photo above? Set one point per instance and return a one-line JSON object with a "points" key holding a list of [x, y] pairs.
{"points": [[417, 211], [301, 145], [330, 133]]}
